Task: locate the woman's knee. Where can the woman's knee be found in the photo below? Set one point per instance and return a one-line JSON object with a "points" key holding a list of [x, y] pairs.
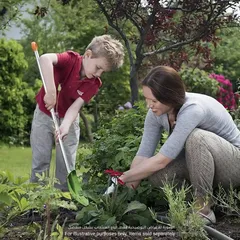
{"points": [[196, 136]]}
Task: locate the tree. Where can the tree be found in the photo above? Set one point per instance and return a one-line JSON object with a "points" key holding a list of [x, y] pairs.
{"points": [[9, 10], [227, 55], [167, 26], [161, 28], [13, 91]]}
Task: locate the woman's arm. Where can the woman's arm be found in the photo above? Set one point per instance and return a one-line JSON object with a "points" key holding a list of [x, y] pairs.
{"points": [[145, 168], [136, 161], [150, 139]]}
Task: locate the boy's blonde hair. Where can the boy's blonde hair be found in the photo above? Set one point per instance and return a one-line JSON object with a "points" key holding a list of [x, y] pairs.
{"points": [[109, 48]]}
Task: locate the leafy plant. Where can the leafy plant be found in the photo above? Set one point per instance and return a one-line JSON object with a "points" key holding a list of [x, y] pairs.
{"points": [[15, 94], [228, 200], [57, 231], [183, 215], [115, 143], [17, 196], [115, 209], [227, 54], [198, 81]]}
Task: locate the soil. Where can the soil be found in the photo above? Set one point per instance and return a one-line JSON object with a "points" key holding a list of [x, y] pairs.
{"points": [[228, 225]]}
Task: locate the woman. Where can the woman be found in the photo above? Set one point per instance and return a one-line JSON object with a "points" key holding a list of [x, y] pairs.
{"points": [[203, 144]]}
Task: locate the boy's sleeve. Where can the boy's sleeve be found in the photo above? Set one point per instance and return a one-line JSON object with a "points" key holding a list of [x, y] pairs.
{"points": [[66, 59], [88, 91]]}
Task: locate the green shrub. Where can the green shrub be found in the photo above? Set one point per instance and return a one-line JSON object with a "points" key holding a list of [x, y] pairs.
{"points": [[198, 81], [115, 142], [115, 145], [15, 94]]}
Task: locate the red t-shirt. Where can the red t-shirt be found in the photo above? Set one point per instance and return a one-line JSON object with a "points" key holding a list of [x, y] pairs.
{"points": [[68, 84]]}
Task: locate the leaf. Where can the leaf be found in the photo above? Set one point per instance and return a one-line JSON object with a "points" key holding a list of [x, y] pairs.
{"points": [[3, 188], [111, 221], [66, 195], [83, 213], [60, 231], [20, 180], [93, 213], [92, 196], [5, 198], [54, 234], [24, 204], [80, 199], [106, 220], [135, 205], [91, 221], [137, 220]]}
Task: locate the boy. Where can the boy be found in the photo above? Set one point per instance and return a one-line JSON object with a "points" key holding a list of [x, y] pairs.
{"points": [[71, 80]]}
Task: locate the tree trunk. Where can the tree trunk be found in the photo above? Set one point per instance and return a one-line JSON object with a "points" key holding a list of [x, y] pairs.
{"points": [[87, 127], [95, 112], [133, 84]]}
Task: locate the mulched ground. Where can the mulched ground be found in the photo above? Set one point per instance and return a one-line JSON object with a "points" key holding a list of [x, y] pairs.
{"points": [[229, 226]]}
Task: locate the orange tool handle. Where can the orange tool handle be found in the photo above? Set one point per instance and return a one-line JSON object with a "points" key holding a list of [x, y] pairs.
{"points": [[34, 46]]}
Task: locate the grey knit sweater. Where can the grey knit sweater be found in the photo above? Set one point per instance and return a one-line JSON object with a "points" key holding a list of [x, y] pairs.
{"points": [[198, 111]]}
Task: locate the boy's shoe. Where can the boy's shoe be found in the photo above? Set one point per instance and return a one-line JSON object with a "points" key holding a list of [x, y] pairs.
{"points": [[209, 218]]}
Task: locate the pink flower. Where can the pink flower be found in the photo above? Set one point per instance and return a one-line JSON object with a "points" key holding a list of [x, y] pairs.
{"points": [[225, 94]]}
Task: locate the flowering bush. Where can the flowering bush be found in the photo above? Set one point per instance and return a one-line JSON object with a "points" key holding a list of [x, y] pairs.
{"points": [[225, 95]]}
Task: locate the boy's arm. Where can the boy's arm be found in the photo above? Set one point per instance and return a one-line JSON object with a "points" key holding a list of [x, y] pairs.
{"points": [[70, 116], [47, 61]]}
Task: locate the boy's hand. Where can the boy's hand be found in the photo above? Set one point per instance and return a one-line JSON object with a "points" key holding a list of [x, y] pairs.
{"points": [[50, 100], [62, 133]]}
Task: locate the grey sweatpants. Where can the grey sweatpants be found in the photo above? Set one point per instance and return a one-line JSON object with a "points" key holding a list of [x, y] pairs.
{"points": [[206, 161], [42, 140]]}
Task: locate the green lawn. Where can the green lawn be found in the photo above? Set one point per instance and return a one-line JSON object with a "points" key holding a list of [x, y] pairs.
{"points": [[17, 160]]}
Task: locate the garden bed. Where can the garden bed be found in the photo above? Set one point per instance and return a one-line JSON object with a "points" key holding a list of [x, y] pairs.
{"points": [[229, 226]]}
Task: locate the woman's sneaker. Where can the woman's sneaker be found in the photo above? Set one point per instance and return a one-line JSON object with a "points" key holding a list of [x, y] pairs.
{"points": [[209, 218]]}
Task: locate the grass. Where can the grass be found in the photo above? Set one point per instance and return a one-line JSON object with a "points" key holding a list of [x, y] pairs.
{"points": [[17, 160]]}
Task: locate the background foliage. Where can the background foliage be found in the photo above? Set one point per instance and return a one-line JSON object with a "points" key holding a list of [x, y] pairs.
{"points": [[116, 142], [15, 95], [198, 81], [227, 55]]}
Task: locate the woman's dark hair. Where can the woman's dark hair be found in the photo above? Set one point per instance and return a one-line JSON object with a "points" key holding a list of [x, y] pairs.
{"points": [[166, 86]]}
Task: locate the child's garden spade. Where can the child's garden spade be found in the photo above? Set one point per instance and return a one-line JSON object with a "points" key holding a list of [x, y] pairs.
{"points": [[72, 180]]}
